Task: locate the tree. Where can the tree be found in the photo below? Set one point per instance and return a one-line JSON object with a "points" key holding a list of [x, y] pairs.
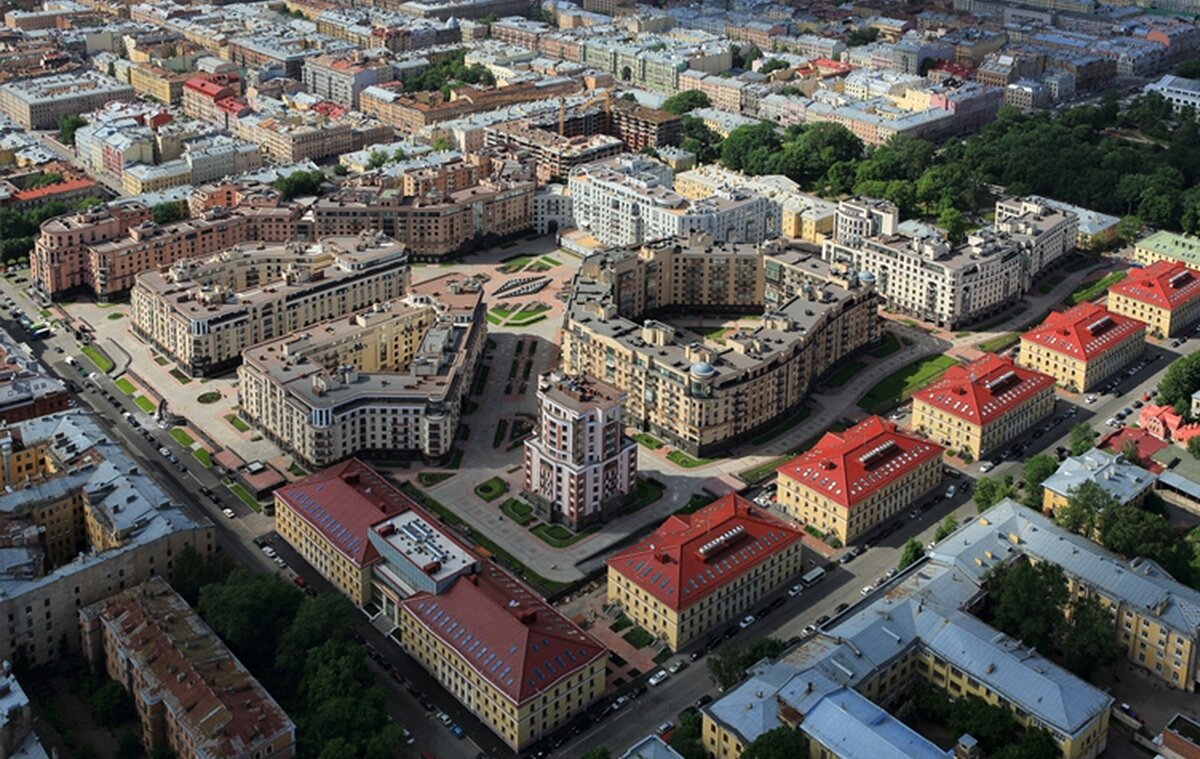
{"points": [[1082, 439], [686, 738], [340, 170], [910, 553], [162, 752], [111, 705], [1026, 601], [990, 491], [1193, 446], [1035, 743], [191, 572], [945, 529], [340, 703], [1088, 505], [772, 65], [725, 666], [377, 160], [1129, 228], [129, 745], [235, 611], [324, 618], [43, 179], [599, 752], [1181, 380], [780, 743], [683, 102], [955, 224], [441, 145], [749, 148], [299, 183], [1036, 470], [1087, 641], [1132, 532], [1131, 452], [992, 726], [166, 213], [67, 126]]}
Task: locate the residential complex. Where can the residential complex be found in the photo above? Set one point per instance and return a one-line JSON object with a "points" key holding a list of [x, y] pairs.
{"points": [[391, 380], [523, 668], [794, 214], [27, 390], [580, 467], [203, 312], [150, 641], [79, 521], [698, 571], [38, 103], [699, 394], [1165, 296], [1082, 346], [850, 482], [1126, 482], [978, 407]]}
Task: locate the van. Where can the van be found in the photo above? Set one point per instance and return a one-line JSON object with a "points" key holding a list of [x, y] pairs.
{"points": [[812, 577]]}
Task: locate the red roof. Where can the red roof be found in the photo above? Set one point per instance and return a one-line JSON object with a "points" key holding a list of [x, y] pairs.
{"points": [[506, 632], [342, 502], [1084, 331], [1165, 284], [851, 466], [71, 185], [692, 555], [984, 389], [207, 87]]}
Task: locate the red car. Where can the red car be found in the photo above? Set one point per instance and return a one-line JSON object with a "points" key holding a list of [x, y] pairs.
{"points": [[300, 582]]}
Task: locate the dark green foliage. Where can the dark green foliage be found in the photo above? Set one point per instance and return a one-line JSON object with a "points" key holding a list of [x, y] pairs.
{"points": [[730, 661], [451, 72], [688, 100], [111, 705], [166, 213], [1027, 601], [299, 183], [686, 737], [44, 179], [1088, 640], [910, 553], [1036, 470], [780, 743], [1181, 380], [599, 752], [1088, 505], [944, 529], [772, 65], [129, 745], [19, 229], [990, 491], [1082, 439], [804, 154], [699, 139], [235, 611], [860, 37], [191, 572], [67, 126]]}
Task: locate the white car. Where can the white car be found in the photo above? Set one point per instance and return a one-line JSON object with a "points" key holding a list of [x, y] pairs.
{"points": [[795, 590], [659, 677], [866, 590], [1090, 399], [279, 562], [950, 491], [165, 451], [985, 466], [746, 621], [269, 551], [229, 513]]}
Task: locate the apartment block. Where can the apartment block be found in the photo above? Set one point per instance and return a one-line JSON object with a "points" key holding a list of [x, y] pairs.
{"points": [[203, 312], [340, 79], [554, 156], [640, 127], [794, 214], [1168, 246], [1082, 346], [693, 392], [158, 83], [1046, 234], [853, 481], [27, 389], [158, 648], [410, 113], [982, 405], [580, 467], [202, 93], [293, 137], [1126, 482], [388, 381], [80, 521], [1165, 296], [698, 571], [628, 200], [38, 103]]}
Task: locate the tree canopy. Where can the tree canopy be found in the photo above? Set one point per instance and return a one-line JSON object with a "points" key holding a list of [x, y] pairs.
{"points": [[990, 491], [1181, 380], [68, 124], [687, 739], [1087, 505], [780, 743], [1036, 470], [450, 72], [1082, 439], [683, 102], [910, 553], [299, 183], [731, 661], [166, 213]]}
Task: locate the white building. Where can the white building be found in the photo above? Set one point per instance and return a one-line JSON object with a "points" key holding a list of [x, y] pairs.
{"points": [[552, 210], [628, 200], [1045, 233], [579, 467], [1180, 92]]}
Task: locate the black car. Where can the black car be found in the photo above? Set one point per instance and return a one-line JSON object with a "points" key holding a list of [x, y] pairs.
{"points": [[260, 541], [776, 603], [703, 700], [841, 608], [822, 619], [695, 655]]}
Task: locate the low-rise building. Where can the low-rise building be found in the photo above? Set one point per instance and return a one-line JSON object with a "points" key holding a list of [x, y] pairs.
{"points": [[1082, 346], [340, 79], [1168, 246], [850, 482], [1127, 483], [700, 570], [1180, 738], [202, 313], [580, 467], [39, 103], [390, 381], [27, 390], [17, 739], [1165, 296], [982, 405], [158, 648]]}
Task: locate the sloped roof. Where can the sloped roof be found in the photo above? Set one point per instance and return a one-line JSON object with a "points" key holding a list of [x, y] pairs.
{"points": [[1084, 331], [1164, 284], [984, 389]]}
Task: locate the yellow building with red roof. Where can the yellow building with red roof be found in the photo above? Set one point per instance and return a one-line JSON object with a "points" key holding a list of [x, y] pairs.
{"points": [[1082, 346], [1165, 296], [697, 571], [851, 481], [983, 404]]}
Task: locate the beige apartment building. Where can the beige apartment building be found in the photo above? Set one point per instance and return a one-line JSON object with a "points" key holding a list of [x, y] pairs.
{"points": [[852, 481], [203, 312], [1165, 296], [982, 405], [390, 380], [39, 102], [1082, 346], [698, 393], [698, 571]]}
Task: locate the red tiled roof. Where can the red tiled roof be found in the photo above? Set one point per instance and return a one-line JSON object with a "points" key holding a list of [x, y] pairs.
{"points": [[984, 389], [678, 563], [1165, 284], [206, 86], [506, 632], [70, 185], [1084, 331], [342, 502], [850, 466]]}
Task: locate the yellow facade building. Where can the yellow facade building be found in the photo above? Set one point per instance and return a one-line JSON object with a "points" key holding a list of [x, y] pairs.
{"points": [[982, 405], [698, 571], [1168, 246], [1165, 296], [1082, 346], [851, 481]]}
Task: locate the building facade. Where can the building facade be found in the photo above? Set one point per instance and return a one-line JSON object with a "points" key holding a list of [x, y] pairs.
{"points": [[39, 103], [1082, 346], [1127, 483], [1165, 296]]}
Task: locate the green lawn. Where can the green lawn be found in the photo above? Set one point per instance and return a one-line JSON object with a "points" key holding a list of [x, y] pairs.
{"points": [[552, 261], [297, 470], [518, 511], [686, 461], [638, 638], [664, 656], [125, 386], [623, 622], [212, 396], [559, 536], [899, 385], [203, 457], [843, 374], [647, 493], [237, 422], [115, 315], [145, 404], [428, 479], [180, 377], [997, 344], [886, 348], [647, 440], [783, 426], [757, 474], [1089, 290], [181, 435], [529, 316], [490, 490], [102, 362], [243, 495], [494, 320]]}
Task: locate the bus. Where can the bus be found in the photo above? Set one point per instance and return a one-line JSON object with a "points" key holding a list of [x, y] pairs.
{"points": [[41, 333], [813, 576]]}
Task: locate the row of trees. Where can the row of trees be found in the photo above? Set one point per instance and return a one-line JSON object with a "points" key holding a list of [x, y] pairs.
{"points": [[730, 662], [997, 731], [19, 229]]}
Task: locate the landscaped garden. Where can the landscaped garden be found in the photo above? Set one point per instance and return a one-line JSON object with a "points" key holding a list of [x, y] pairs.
{"points": [[1089, 290], [125, 386], [492, 489], [647, 440], [429, 479], [887, 347], [685, 460], [518, 511], [237, 422], [182, 437], [102, 362], [212, 396], [145, 404]]}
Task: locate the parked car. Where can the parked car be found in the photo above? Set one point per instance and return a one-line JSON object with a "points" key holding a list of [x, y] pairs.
{"points": [[269, 551], [795, 590], [866, 590], [677, 666], [841, 608], [746, 621], [230, 513], [985, 466], [664, 727]]}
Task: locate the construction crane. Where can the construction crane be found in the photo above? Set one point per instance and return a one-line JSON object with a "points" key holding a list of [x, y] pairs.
{"points": [[606, 98]]}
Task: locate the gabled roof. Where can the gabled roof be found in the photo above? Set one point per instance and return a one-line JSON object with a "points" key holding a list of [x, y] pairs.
{"points": [[1084, 331], [984, 389], [1163, 284], [505, 632], [692, 555], [851, 466]]}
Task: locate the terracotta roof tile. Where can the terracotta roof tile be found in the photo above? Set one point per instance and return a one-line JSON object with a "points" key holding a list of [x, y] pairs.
{"points": [[1165, 284], [1084, 331], [984, 389]]}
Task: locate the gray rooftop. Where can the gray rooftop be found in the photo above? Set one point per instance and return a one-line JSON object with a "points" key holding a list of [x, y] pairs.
{"points": [[1122, 480]]}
